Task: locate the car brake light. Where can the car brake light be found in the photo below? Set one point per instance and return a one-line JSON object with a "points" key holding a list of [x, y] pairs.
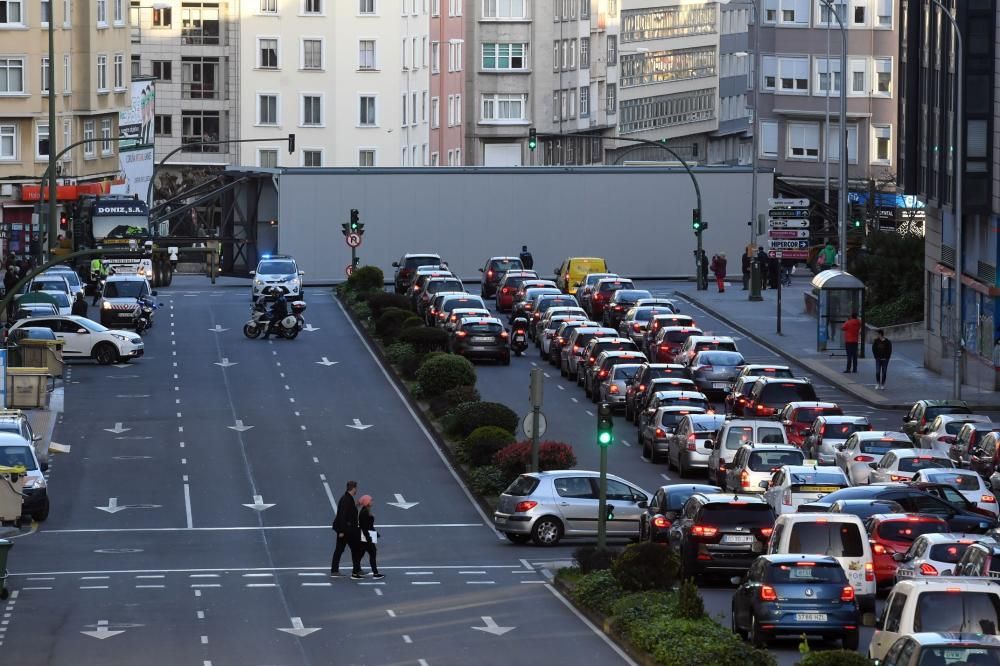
{"points": [[460, 334], [745, 479], [895, 477], [766, 531], [489, 273], [767, 593], [704, 531], [442, 315], [503, 334], [863, 459], [602, 374], [786, 497], [847, 593], [592, 359], [879, 549], [869, 572], [928, 570], [988, 499], [953, 589], [613, 389], [661, 522], [598, 296], [527, 505], [504, 290], [660, 433], [691, 442], [576, 349]]}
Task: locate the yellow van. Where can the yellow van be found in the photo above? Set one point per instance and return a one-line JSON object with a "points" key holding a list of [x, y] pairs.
{"points": [[575, 269]]}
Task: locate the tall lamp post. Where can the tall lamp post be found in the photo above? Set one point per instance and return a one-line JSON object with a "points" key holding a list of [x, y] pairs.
{"points": [[959, 168], [51, 222], [842, 198]]}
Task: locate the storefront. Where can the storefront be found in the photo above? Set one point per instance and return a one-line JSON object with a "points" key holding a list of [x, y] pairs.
{"points": [[16, 231]]}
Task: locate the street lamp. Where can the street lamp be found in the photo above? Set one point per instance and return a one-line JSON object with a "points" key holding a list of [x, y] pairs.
{"points": [[842, 199]]}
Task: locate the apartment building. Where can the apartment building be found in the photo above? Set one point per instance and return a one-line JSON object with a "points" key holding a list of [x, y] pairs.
{"points": [[191, 49], [928, 60], [731, 142], [447, 83], [799, 93], [91, 89]]}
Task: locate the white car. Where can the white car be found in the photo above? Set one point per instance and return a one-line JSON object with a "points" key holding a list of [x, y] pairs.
{"points": [[793, 485], [83, 338], [941, 433], [277, 271], [16, 451], [69, 275], [935, 554], [865, 447], [754, 463], [902, 464], [970, 484]]}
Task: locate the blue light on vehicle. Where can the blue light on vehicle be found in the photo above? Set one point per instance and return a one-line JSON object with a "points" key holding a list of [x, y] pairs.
{"points": [[265, 256]]}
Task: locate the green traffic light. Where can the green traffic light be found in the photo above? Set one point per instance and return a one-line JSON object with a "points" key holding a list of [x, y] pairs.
{"points": [[604, 438]]}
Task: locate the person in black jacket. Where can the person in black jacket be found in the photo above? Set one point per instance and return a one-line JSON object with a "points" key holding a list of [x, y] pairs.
{"points": [[527, 261], [366, 521], [881, 352], [79, 305], [348, 535]]}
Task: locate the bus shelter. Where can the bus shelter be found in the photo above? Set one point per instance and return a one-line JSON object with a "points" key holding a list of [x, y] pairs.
{"points": [[839, 294]]}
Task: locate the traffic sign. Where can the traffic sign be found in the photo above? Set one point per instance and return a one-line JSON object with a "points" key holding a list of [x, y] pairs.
{"points": [[788, 212], [349, 270], [789, 203], [777, 244], [526, 425], [789, 254], [782, 223], [788, 233], [353, 240]]}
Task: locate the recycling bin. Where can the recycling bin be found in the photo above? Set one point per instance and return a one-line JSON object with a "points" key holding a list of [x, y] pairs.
{"points": [[28, 388], [42, 354]]}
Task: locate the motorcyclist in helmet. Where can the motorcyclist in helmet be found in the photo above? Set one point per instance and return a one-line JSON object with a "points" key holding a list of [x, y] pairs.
{"points": [[279, 310]]}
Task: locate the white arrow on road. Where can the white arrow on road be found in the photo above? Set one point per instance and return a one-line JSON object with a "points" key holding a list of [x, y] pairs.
{"points": [[310, 328], [225, 363], [112, 506], [299, 629], [492, 627], [218, 329], [102, 631], [358, 425], [239, 427], [118, 429], [258, 504], [402, 503], [327, 362]]}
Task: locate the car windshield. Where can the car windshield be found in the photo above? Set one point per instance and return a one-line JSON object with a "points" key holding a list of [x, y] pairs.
{"points": [[933, 412], [725, 359], [923, 462], [908, 530], [631, 295], [823, 537], [484, 328], [444, 285], [707, 423], [455, 303], [952, 427], [662, 373], [624, 345], [671, 419], [16, 456], [39, 284], [806, 572], [781, 393], [767, 435], [809, 414], [626, 372], [70, 277], [959, 480], [737, 437], [677, 336], [125, 289], [61, 298], [615, 286], [276, 268], [504, 265], [773, 371], [882, 446], [957, 655], [962, 611], [645, 314], [514, 281], [684, 401], [948, 552], [766, 461], [737, 513], [92, 326]]}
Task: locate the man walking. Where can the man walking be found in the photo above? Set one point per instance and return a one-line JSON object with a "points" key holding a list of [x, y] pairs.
{"points": [[719, 270], [745, 265], [852, 335], [527, 261], [881, 351], [345, 525]]}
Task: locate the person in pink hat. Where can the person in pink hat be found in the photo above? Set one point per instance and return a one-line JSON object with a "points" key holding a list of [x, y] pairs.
{"points": [[369, 536]]}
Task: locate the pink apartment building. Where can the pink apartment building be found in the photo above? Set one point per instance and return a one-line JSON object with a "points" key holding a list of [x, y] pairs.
{"points": [[447, 84]]}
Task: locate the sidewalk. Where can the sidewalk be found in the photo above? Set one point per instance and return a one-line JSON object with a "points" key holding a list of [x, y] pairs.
{"points": [[908, 380]]}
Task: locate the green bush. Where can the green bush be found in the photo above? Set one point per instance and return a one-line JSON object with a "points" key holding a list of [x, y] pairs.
{"points": [[486, 481], [425, 339], [389, 324], [835, 658], [646, 566], [444, 403], [381, 301], [413, 322], [366, 278], [482, 444], [639, 607], [399, 353], [690, 605], [597, 591], [516, 458], [437, 375], [675, 641], [362, 311], [466, 417], [592, 558]]}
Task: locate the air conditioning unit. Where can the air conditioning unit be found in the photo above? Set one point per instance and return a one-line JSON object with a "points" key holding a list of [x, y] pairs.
{"points": [[7, 190]]}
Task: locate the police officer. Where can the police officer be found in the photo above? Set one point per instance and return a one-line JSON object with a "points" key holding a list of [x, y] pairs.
{"points": [[97, 271]]}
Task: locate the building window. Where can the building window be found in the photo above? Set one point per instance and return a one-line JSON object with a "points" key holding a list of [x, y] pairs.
{"points": [[45, 13], [312, 7], [11, 75], [366, 158], [505, 9], [200, 23], [858, 12], [884, 16], [668, 110], [268, 6], [366, 6], [833, 143], [612, 99], [585, 52], [41, 141], [136, 70], [45, 75], [584, 9], [267, 109], [162, 18], [827, 77], [883, 77], [785, 75], [119, 15], [366, 113], [267, 53], [312, 158], [455, 56], [423, 107], [584, 101], [786, 12], [881, 144], [89, 131], [200, 78], [803, 141], [451, 110], [199, 129], [119, 71], [11, 12], [107, 148], [366, 54], [102, 12], [163, 70], [267, 158], [404, 108], [102, 73], [67, 139], [503, 108], [639, 25], [827, 15], [504, 56], [312, 54], [8, 142], [312, 110], [435, 112], [68, 73], [163, 125], [435, 57], [769, 139], [858, 73], [663, 66], [612, 50]]}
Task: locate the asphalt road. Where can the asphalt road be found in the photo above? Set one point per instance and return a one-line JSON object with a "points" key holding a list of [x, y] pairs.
{"points": [[190, 520], [570, 417]]}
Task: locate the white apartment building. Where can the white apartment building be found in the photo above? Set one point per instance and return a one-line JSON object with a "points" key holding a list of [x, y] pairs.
{"points": [[349, 78]]}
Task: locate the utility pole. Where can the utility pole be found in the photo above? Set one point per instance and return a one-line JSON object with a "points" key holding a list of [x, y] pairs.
{"points": [[52, 222], [535, 398]]}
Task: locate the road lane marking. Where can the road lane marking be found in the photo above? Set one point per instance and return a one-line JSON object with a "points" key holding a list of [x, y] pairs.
{"points": [[93, 587], [480, 582], [194, 585], [321, 571], [590, 625], [407, 639], [574, 400], [316, 584], [261, 585], [187, 505], [248, 528], [589, 413], [390, 612], [329, 495], [150, 587], [424, 582], [665, 477]]}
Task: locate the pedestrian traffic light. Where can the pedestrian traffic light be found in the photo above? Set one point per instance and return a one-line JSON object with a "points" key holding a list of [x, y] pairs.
{"points": [[696, 224], [532, 139], [605, 424], [63, 221], [355, 221]]}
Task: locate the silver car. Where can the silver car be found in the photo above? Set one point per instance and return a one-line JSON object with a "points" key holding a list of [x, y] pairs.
{"points": [[576, 344], [714, 372], [939, 435], [935, 554], [545, 507], [862, 448], [655, 432], [686, 448], [828, 432], [612, 388]]}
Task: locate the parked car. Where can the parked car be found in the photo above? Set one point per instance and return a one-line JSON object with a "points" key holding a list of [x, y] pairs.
{"points": [[798, 417], [892, 534], [664, 509], [734, 434], [925, 411], [828, 432]]}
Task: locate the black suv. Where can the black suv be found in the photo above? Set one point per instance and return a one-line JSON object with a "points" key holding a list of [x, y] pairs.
{"points": [[770, 395], [721, 533], [936, 499], [594, 349], [481, 337], [407, 267], [619, 305]]}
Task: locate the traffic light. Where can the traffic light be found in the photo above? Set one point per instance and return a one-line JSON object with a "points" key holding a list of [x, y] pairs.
{"points": [[63, 221], [345, 228], [532, 139], [605, 424], [696, 224], [355, 221], [291, 144], [355, 261], [857, 217]]}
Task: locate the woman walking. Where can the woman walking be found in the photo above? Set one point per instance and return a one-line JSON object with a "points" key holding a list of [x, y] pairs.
{"points": [[369, 537]]}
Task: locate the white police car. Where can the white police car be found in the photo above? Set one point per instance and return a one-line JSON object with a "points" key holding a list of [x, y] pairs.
{"points": [[277, 271]]}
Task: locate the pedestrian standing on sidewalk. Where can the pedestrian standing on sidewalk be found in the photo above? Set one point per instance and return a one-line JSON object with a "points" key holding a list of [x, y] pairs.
{"points": [[703, 267], [881, 352], [745, 265], [719, 271], [369, 535], [852, 335], [762, 267], [345, 525], [829, 254]]}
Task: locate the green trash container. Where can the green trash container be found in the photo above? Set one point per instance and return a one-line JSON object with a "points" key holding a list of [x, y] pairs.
{"points": [[5, 546]]}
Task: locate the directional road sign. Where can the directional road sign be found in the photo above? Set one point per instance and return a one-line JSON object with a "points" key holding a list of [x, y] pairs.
{"points": [[788, 233], [353, 240], [785, 223], [798, 255], [788, 203], [798, 244]]}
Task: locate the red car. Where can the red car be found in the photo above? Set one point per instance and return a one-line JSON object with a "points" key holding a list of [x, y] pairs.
{"points": [[669, 340], [891, 533], [798, 417], [508, 286], [603, 291], [737, 399]]}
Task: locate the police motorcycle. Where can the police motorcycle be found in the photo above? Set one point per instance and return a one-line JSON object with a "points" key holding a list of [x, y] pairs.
{"points": [[261, 319]]}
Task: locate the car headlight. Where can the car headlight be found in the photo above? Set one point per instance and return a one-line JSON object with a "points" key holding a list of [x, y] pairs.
{"points": [[257, 282], [34, 483], [106, 305], [121, 336]]}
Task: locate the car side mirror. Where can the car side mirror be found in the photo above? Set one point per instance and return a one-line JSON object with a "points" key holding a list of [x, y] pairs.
{"points": [[736, 580], [840, 447], [152, 293], [709, 444], [947, 572], [642, 504], [44, 466], [36, 438], [873, 465], [81, 331], [301, 273], [480, 270], [764, 484], [899, 557], [253, 272]]}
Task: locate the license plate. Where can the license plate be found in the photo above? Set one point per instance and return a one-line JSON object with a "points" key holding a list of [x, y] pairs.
{"points": [[810, 617], [499, 520], [738, 538], [482, 339], [720, 385]]}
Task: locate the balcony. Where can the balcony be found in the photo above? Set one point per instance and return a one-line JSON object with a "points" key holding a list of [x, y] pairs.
{"points": [[201, 90], [207, 34], [197, 147]]}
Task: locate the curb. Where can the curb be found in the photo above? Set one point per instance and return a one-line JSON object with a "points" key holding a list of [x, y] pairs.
{"points": [[602, 623]]}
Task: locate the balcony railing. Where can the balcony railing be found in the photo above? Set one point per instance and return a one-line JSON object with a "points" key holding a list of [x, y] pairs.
{"points": [[198, 147], [200, 90], [199, 36]]}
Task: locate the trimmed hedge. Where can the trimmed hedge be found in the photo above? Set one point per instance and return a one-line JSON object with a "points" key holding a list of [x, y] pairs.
{"points": [[646, 566], [389, 324], [486, 481], [444, 403], [381, 301], [515, 459], [592, 558], [482, 444], [425, 339], [366, 278], [690, 605], [440, 373], [404, 357], [598, 591], [413, 322], [835, 658], [466, 417]]}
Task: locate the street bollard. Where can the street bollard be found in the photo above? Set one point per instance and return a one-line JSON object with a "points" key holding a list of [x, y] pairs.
{"points": [[755, 281]]}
